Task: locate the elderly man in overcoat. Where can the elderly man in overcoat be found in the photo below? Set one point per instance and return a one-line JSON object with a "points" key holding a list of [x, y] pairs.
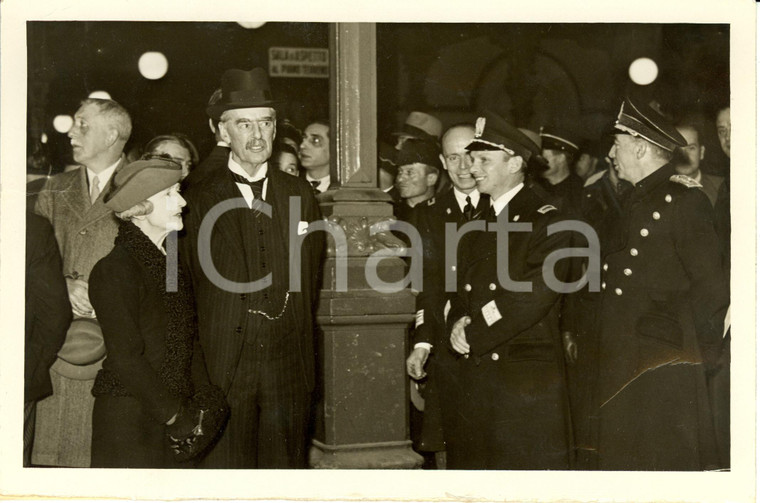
{"points": [[255, 314], [85, 230], [663, 305], [503, 319]]}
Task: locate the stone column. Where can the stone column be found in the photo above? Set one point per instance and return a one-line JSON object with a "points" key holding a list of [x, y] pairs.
{"points": [[363, 412]]}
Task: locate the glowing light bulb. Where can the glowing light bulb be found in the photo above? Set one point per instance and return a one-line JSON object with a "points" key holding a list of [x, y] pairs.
{"points": [[153, 65], [643, 71], [62, 123]]}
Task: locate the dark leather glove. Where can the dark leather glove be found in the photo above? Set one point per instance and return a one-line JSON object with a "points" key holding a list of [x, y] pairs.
{"points": [[199, 423]]}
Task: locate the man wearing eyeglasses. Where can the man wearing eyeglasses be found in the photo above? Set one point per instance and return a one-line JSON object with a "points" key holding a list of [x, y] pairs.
{"points": [[314, 153]]}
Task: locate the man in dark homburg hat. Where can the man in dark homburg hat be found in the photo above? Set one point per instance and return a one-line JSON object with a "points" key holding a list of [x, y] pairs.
{"points": [[663, 305], [257, 339], [510, 393]]}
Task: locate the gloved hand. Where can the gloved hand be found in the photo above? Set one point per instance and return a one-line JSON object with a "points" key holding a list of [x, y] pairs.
{"points": [[199, 423]]}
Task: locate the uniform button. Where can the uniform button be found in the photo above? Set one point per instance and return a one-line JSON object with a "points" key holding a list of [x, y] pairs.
{"points": [[656, 215], [606, 266], [492, 286], [243, 296], [668, 198], [634, 252], [239, 330], [494, 356], [604, 285], [627, 271], [467, 287], [83, 232], [618, 291], [644, 232]]}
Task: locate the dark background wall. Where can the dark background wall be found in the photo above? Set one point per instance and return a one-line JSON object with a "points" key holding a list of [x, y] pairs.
{"points": [[533, 74]]}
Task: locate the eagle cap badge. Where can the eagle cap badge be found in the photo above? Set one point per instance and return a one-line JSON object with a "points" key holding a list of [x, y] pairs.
{"points": [[480, 126]]}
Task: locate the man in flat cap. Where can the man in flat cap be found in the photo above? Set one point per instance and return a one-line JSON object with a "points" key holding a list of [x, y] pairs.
{"points": [[502, 319], [256, 329], [419, 126], [663, 305]]}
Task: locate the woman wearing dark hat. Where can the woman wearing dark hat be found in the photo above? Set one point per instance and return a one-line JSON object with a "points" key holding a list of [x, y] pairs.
{"points": [[153, 363]]}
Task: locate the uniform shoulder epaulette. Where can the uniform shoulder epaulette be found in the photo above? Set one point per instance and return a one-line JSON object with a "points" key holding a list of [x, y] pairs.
{"points": [[685, 180], [431, 201], [546, 209]]}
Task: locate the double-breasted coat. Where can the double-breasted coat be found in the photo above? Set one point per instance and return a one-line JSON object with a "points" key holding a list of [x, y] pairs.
{"points": [[85, 233], [663, 304], [513, 408]]}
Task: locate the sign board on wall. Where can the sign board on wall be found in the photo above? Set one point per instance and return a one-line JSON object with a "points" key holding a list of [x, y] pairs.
{"points": [[299, 62]]}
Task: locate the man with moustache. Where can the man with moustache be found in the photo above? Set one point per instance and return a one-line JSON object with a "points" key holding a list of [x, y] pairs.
{"points": [[694, 154], [85, 230], [430, 359], [663, 305], [511, 400], [255, 324]]}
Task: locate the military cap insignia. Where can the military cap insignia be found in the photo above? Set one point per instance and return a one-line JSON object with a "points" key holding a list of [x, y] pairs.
{"points": [[480, 126], [546, 209], [685, 180]]}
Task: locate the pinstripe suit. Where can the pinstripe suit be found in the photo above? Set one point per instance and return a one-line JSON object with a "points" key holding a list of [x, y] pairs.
{"points": [[266, 366]]}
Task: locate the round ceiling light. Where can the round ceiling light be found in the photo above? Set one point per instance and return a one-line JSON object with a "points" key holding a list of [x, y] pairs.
{"points": [[643, 71], [153, 65], [62, 123]]}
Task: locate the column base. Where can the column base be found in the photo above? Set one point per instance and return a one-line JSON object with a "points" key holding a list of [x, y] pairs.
{"points": [[382, 455]]}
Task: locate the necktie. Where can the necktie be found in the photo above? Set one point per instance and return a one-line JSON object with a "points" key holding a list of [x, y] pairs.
{"points": [[94, 189], [491, 214], [257, 187], [314, 185], [468, 208]]}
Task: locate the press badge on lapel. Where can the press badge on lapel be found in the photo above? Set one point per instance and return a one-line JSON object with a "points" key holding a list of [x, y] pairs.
{"points": [[490, 313]]}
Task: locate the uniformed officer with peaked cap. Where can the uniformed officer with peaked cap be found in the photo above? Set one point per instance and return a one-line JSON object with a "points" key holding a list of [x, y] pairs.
{"points": [[663, 304], [512, 399]]}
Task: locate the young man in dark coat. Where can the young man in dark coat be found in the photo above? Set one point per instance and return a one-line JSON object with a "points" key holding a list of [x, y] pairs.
{"points": [[663, 305], [255, 314], [513, 403]]}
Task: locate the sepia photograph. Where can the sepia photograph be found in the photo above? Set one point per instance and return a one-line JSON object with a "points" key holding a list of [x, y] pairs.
{"points": [[479, 253]]}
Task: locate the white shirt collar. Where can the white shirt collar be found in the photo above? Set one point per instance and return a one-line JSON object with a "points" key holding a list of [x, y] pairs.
{"points": [[324, 182], [103, 176], [698, 178], [461, 198], [245, 190], [500, 203]]}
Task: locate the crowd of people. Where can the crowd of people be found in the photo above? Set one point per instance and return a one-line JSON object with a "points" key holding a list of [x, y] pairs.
{"points": [[154, 342]]}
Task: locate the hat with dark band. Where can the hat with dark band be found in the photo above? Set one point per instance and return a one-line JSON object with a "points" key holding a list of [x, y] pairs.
{"points": [[637, 119], [554, 138], [418, 151], [421, 126], [141, 179], [243, 89], [494, 133]]}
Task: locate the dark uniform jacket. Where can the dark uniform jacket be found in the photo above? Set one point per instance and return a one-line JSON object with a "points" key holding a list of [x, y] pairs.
{"points": [[514, 407], [430, 327], [664, 301]]}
